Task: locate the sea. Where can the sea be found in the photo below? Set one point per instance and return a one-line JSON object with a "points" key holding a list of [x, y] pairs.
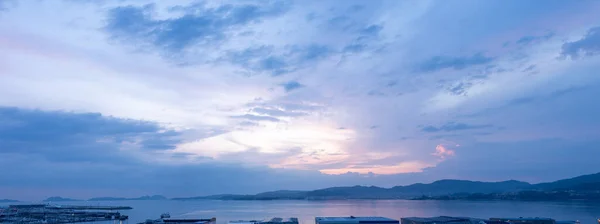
{"points": [[306, 211]]}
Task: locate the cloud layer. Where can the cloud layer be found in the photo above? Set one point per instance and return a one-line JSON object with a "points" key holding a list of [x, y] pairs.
{"points": [[333, 92]]}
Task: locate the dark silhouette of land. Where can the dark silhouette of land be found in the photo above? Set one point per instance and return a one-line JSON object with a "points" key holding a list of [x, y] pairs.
{"points": [[586, 187], [59, 199], [143, 198]]}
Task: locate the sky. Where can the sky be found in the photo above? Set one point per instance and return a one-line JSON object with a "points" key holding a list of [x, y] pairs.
{"points": [[186, 98]]}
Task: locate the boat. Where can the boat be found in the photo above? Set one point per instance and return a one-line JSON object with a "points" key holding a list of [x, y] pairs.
{"points": [[166, 218]]}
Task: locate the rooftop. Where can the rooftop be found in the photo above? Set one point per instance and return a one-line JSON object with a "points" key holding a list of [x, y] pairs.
{"points": [[353, 219], [524, 219], [439, 219]]}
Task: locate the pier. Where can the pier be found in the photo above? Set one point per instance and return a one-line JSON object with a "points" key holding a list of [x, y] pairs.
{"points": [[40, 213]]}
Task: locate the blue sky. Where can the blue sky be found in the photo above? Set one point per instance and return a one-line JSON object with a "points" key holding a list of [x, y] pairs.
{"points": [[185, 98]]}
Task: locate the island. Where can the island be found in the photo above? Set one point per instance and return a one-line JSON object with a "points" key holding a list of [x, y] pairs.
{"points": [[142, 198]]}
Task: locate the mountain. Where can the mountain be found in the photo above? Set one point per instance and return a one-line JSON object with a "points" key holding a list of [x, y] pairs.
{"points": [[568, 183], [153, 197], [438, 190], [442, 187], [57, 199], [7, 200], [585, 187]]}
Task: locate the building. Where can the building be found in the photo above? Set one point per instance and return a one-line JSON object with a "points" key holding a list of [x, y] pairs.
{"points": [[275, 220], [440, 219], [522, 220], [355, 220]]}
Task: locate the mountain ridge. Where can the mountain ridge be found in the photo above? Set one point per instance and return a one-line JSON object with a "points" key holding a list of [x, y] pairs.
{"points": [[434, 189]]}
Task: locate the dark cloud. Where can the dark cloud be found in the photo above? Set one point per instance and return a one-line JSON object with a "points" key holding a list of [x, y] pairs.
{"points": [[198, 25], [372, 30], [57, 135], [534, 39], [586, 46], [256, 118], [180, 155], [267, 59], [529, 68], [454, 126], [375, 93], [443, 62], [275, 65], [291, 85], [460, 88]]}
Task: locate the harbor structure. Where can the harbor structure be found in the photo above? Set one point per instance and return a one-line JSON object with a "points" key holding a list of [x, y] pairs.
{"points": [[522, 220], [445, 220], [533, 220], [355, 220], [42, 213], [275, 220]]}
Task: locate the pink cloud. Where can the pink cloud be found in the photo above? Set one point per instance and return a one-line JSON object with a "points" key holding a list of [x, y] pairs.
{"points": [[443, 152]]}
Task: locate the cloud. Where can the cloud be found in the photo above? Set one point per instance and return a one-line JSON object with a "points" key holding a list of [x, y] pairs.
{"points": [[277, 112], [443, 152], [199, 25], [291, 85], [454, 126], [460, 89], [363, 65], [587, 46], [278, 60], [253, 117], [526, 40], [458, 63], [65, 136]]}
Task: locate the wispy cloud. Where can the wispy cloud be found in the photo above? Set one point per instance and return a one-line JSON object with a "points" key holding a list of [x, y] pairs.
{"points": [[454, 126], [442, 62]]}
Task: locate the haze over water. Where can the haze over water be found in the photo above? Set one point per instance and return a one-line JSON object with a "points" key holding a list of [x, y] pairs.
{"points": [[224, 211]]}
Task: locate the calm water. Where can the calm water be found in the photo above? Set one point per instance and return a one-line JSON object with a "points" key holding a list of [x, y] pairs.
{"points": [[585, 212]]}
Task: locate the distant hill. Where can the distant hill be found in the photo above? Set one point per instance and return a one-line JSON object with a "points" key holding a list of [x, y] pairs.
{"points": [[440, 189], [153, 197], [568, 183], [56, 199], [7, 200]]}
